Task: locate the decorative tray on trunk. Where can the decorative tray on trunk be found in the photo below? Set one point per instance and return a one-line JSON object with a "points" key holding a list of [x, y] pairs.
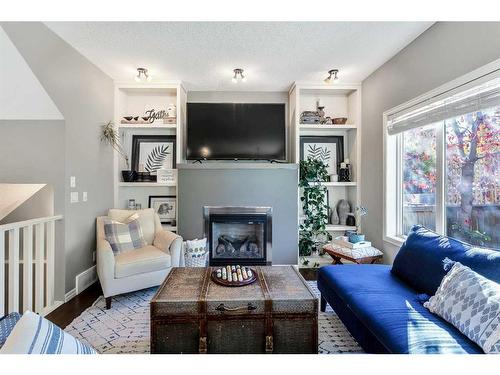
{"points": [[234, 275]]}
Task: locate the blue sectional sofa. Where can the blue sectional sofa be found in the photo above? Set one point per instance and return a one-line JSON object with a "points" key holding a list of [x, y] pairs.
{"points": [[382, 306]]}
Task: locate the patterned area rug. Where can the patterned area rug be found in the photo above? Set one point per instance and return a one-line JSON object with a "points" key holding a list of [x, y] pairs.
{"points": [[124, 329]]}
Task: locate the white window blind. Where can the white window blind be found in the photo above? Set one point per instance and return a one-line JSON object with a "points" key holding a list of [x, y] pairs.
{"points": [[477, 95]]}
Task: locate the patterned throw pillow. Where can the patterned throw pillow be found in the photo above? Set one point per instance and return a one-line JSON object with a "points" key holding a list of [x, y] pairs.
{"points": [[124, 236], [7, 324], [471, 303], [36, 335], [195, 253]]}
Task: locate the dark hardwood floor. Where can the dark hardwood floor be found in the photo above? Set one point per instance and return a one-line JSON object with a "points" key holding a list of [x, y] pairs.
{"points": [[309, 273], [68, 311]]}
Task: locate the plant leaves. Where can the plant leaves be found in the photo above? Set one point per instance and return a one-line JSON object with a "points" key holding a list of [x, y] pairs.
{"points": [[156, 158]]}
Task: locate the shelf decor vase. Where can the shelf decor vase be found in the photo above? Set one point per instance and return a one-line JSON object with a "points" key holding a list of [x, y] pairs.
{"points": [[129, 176], [334, 216], [351, 220], [343, 209]]}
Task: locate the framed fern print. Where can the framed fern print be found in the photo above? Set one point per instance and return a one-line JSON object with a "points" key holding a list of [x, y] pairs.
{"points": [[153, 152], [328, 149]]}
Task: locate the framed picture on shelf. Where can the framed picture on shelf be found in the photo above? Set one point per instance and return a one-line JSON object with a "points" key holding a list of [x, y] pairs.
{"points": [[328, 149], [164, 206], [152, 152]]}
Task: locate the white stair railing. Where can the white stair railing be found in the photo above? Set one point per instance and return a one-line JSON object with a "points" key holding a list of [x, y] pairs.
{"points": [[27, 247]]}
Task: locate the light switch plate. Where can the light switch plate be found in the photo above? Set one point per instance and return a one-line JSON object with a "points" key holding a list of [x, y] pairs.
{"points": [[74, 197], [72, 181], [84, 196]]}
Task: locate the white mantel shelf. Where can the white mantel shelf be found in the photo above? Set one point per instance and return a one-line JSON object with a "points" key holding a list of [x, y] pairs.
{"points": [[334, 183], [236, 165]]}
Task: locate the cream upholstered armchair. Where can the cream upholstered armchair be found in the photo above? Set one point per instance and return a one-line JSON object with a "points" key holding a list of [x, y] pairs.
{"points": [[140, 268]]}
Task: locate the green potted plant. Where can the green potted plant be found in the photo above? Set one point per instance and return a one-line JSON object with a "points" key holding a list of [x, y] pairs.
{"points": [[110, 136], [312, 232]]}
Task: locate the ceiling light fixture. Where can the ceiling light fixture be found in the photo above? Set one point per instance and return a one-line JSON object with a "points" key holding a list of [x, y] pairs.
{"points": [[332, 74], [142, 75], [238, 76]]}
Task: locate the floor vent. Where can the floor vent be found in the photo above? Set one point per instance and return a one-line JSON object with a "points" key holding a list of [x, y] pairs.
{"points": [[86, 279]]}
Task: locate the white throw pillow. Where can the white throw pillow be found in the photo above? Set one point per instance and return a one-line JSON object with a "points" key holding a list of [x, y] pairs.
{"points": [[36, 335], [471, 303], [195, 253]]}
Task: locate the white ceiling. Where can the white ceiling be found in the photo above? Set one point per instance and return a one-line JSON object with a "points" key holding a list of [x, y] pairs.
{"points": [[273, 54]]}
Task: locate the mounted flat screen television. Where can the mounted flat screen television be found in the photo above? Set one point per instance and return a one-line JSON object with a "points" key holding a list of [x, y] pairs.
{"points": [[229, 131]]}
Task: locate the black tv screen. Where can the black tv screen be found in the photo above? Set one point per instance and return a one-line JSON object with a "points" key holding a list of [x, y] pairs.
{"points": [[228, 131]]}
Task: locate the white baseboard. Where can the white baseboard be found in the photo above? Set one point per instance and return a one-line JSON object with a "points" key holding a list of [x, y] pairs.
{"points": [[85, 279], [49, 309], [70, 295], [82, 282]]}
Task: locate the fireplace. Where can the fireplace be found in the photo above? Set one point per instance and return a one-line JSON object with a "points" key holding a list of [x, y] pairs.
{"points": [[238, 235]]}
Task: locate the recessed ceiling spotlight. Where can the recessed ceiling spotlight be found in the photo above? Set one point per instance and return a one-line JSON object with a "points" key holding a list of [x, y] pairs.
{"points": [[142, 75], [238, 76], [332, 75]]}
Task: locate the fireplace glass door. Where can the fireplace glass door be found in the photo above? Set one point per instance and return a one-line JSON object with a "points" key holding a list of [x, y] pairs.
{"points": [[237, 239]]}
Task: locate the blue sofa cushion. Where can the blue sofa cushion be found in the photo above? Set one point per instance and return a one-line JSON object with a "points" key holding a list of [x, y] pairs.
{"points": [[392, 311], [419, 262], [7, 324]]}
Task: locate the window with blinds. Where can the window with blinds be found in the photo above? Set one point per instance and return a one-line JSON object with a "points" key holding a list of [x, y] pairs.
{"points": [[446, 153]]}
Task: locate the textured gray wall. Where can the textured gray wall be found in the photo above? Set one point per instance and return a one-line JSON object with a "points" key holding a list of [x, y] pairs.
{"points": [[84, 96], [270, 186], [444, 52], [33, 152]]}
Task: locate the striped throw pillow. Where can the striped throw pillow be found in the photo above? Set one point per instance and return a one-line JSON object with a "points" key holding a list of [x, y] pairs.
{"points": [[36, 335], [7, 324], [124, 236]]}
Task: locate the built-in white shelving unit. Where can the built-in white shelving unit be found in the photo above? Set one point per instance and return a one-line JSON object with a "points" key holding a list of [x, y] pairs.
{"points": [[154, 125], [338, 228], [312, 127], [339, 101], [133, 99], [145, 184]]}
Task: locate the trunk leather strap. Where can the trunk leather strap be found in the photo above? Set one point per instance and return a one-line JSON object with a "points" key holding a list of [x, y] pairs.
{"points": [[202, 312], [268, 305]]}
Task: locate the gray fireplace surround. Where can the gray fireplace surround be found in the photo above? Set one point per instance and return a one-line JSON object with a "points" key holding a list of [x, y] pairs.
{"points": [[242, 184]]}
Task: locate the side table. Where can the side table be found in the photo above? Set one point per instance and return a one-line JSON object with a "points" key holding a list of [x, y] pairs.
{"points": [[364, 255]]}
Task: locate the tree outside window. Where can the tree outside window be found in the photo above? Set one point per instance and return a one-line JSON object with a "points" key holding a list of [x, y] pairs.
{"points": [[472, 177]]}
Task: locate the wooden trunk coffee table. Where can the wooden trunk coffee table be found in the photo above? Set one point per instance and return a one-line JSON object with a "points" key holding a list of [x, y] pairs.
{"points": [[190, 313]]}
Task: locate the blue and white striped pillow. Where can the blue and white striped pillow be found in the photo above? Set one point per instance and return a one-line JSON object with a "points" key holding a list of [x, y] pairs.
{"points": [[7, 324], [124, 236], [36, 335]]}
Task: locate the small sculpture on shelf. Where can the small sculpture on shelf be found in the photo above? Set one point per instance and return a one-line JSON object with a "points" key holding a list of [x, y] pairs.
{"points": [[345, 171], [321, 113], [343, 209]]}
